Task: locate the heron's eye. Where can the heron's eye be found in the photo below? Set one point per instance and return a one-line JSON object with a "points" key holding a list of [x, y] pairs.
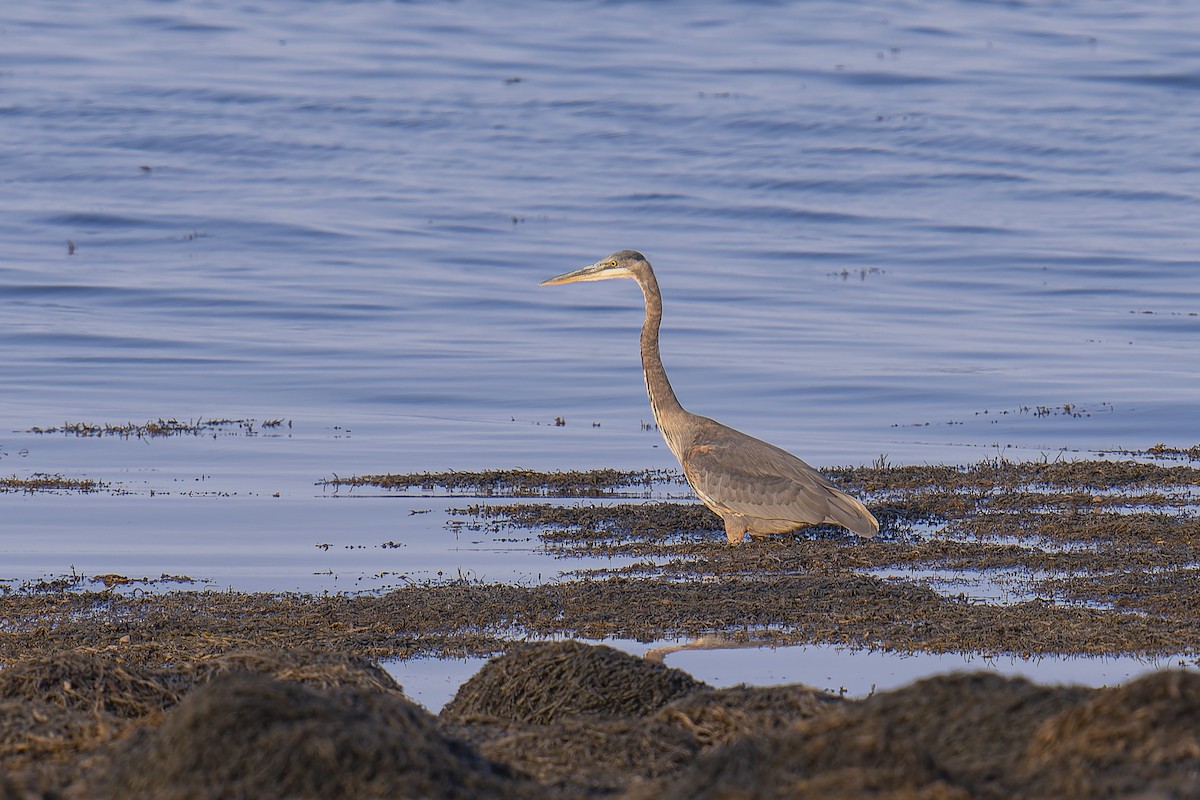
{"points": [[612, 263]]}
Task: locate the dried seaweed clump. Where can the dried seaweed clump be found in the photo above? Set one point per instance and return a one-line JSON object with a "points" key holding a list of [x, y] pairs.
{"points": [[1140, 739], [250, 735], [33, 731], [583, 755], [972, 726], [94, 683], [971, 735], [588, 753], [721, 716], [951, 736], [317, 669], [55, 708], [541, 683], [12, 789]]}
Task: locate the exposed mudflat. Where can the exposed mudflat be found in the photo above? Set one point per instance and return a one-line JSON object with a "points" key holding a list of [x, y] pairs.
{"points": [[216, 694]]}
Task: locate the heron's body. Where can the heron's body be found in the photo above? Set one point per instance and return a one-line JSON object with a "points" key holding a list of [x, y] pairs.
{"points": [[755, 487]]}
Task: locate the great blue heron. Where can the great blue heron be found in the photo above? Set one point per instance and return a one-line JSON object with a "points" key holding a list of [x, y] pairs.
{"points": [[755, 487]]}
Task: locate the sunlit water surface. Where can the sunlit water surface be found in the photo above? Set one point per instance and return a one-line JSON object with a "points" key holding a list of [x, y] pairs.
{"points": [[935, 231]]}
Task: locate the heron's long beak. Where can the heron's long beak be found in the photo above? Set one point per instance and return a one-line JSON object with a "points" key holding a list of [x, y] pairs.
{"points": [[601, 270], [585, 274]]}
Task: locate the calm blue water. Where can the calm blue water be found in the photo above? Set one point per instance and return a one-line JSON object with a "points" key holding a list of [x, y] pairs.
{"points": [[878, 227]]}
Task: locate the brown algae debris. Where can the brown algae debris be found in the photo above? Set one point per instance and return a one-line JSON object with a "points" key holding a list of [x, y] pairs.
{"points": [[165, 427], [40, 482], [545, 682], [1101, 557], [516, 482], [1087, 557], [311, 724]]}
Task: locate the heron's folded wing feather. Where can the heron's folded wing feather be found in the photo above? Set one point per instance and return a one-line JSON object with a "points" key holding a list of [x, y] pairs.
{"points": [[752, 478], [757, 482]]}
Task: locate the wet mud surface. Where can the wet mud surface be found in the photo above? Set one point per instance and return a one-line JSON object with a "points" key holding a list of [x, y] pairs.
{"points": [[226, 694]]}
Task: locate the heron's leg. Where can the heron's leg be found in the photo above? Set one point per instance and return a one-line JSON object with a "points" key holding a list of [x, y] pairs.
{"points": [[735, 528]]}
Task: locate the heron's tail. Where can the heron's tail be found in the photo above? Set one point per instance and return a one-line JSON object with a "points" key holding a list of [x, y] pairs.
{"points": [[850, 513]]}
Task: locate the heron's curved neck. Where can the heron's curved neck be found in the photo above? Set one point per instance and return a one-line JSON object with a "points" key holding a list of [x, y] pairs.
{"points": [[668, 413]]}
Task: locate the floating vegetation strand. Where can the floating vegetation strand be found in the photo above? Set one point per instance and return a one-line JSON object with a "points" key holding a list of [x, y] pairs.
{"points": [[165, 427], [517, 482], [40, 482]]}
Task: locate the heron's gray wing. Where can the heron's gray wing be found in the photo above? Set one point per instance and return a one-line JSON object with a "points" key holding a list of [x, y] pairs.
{"points": [[751, 478]]}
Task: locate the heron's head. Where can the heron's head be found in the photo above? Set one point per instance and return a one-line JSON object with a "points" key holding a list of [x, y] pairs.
{"points": [[621, 264]]}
